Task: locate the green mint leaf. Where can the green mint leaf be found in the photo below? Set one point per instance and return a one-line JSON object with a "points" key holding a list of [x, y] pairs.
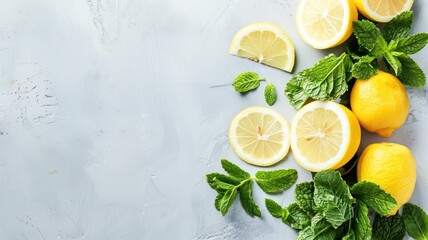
{"points": [[363, 69], [369, 37], [295, 93], [227, 200], [388, 228], [214, 178], [304, 195], [399, 26], [270, 94], [411, 75], [217, 201], [276, 180], [321, 228], [394, 63], [332, 195], [274, 208], [415, 221], [234, 171], [247, 81], [247, 201], [327, 79], [296, 217], [374, 197], [361, 224], [306, 234], [411, 44]]}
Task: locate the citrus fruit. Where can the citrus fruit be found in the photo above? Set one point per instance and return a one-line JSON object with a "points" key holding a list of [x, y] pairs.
{"points": [[380, 103], [392, 167], [324, 135], [260, 136], [264, 43], [382, 10], [325, 24]]}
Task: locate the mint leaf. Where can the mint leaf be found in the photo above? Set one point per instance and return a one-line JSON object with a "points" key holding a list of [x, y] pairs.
{"points": [[306, 234], [374, 197], [304, 195], [270, 94], [217, 201], [399, 26], [247, 201], [214, 178], [415, 221], [363, 69], [321, 228], [276, 180], [227, 200], [411, 44], [361, 224], [247, 81], [369, 37], [411, 75], [234, 171], [274, 208], [394, 63], [388, 228], [295, 93], [327, 79], [332, 197], [292, 215], [296, 217]]}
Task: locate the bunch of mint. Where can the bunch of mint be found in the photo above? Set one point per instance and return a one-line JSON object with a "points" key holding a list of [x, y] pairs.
{"points": [[328, 208], [387, 49]]}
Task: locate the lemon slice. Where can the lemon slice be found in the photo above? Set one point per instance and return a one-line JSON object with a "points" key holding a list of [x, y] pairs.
{"points": [[325, 23], [264, 43], [383, 10], [324, 135], [260, 136]]}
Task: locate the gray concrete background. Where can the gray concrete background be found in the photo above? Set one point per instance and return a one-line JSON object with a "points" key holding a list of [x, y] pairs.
{"points": [[109, 122]]}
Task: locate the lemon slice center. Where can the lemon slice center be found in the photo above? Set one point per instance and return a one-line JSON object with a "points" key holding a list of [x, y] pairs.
{"points": [[320, 135]]}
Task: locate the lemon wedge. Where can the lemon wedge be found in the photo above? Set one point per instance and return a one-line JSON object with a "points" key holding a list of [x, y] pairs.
{"points": [[264, 43], [383, 10], [260, 136], [324, 135], [325, 23]]}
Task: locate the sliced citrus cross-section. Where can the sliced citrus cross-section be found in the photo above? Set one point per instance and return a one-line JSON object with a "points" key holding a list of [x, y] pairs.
{"points": [[264, 43], [325, 23], [383, 10], [324, 135], [260, 136]]}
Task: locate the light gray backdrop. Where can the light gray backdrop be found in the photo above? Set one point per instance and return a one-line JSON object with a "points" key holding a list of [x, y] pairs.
{"points": [[109, 122]]}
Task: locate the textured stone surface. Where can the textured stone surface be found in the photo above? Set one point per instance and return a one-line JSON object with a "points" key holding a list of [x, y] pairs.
{"points": [[110, 117]]}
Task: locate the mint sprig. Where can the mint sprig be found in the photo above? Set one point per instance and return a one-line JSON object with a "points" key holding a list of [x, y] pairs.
{"points": [[328, 208], [394, 46], [240, 182]]}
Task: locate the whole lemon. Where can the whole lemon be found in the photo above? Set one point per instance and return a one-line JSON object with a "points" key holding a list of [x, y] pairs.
{"points": [[380, 103], [392, 167]]}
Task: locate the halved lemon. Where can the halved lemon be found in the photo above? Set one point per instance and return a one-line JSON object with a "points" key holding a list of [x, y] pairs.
{"points": [[383, 10], [260, 136], [324, 135], [325, 23], [264, 43]]}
